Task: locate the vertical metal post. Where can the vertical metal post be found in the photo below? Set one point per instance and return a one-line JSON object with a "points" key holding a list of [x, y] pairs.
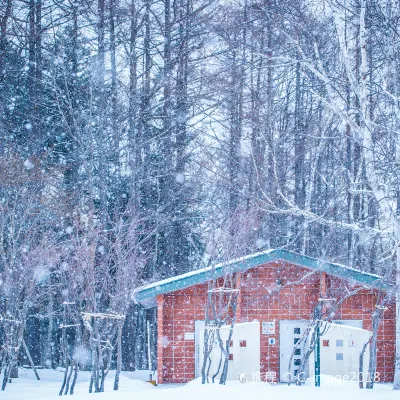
{"points": [[317, 361], [149, 350]]}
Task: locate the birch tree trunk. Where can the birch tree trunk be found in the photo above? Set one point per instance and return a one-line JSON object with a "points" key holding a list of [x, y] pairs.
{"points": [[378, 188], [362, 128]]}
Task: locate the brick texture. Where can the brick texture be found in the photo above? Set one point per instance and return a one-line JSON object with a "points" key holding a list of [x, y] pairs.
{"points": [[271, 292]]}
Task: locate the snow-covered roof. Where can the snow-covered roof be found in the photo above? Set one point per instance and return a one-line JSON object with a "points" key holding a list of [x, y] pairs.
{"points": [[146, 295]]}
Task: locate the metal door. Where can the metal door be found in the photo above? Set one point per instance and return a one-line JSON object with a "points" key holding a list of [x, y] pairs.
{"points": [[291, 339]]}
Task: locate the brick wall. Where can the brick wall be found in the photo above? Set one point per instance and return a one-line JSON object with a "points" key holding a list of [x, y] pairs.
{"points": [[179, 310], [275, 291]]}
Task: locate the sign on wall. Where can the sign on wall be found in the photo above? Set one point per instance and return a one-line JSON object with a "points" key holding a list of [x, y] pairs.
{"points": [[268, 328], [189, 335], [352, 343]]}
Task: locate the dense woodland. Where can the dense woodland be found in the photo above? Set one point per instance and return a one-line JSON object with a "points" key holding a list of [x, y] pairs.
{"points": [[142, 139]]}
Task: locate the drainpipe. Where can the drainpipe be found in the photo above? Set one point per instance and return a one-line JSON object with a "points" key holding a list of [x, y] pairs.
{"points": [[149, 350], [317, 350]]}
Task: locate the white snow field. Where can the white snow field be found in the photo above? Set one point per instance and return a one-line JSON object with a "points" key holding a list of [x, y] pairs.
{"points": [[133, 387]]}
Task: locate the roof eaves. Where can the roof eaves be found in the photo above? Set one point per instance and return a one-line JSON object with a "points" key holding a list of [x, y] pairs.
{"points": [[142, 295], [202, 276], [331, 268]]}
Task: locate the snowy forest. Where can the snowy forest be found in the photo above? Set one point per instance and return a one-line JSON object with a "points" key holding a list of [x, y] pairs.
{"points": [[141, 139]]}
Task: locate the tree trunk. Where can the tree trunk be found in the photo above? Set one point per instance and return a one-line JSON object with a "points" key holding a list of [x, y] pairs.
{"points": [[3, 53], [102, 137], [299, 158], [135, 160], [64, 347], [119, 356]]}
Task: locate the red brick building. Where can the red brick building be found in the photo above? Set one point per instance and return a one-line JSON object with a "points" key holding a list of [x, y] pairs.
{"points": [[275, 285]]}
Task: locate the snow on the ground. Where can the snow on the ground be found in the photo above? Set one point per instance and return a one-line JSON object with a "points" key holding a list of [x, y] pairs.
{"points": [[134, 387]]}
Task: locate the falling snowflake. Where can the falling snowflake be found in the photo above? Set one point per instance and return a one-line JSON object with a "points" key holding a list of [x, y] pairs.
{"points": [[28, 164], [180, 178], [260, 243], [101, 249]]}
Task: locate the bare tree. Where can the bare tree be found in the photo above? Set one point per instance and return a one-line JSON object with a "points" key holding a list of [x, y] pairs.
{"points": [[101, 282], [27, 251]]}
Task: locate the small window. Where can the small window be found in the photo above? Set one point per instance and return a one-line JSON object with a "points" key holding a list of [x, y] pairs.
{"points": [[297, 361], [296, 331], [242, 343], [296, 340], [339, 343], [230, 357], [295, 372], [297, 352], [231, 343], [339, 356], [325, 343]]}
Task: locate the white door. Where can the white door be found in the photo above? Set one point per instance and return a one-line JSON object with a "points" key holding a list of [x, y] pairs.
{"points": [[198, 327], [291, 338]]}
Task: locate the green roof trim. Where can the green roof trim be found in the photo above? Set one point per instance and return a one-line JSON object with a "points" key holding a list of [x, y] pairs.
{"points": [[146, 294]]}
